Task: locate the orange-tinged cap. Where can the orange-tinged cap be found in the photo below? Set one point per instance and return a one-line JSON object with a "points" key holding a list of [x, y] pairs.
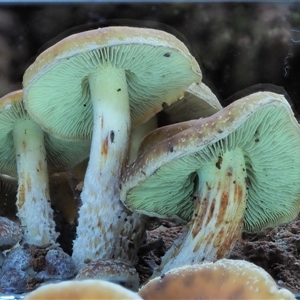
{"points": [[85, 289], [224, 279]]}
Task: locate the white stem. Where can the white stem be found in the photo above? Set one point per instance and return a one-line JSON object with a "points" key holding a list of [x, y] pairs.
{"points": [[102, 217], [33, 200], [219, 212]]}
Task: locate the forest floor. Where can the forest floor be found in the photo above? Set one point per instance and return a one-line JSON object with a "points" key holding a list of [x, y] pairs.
{"points": [[276, 250]]}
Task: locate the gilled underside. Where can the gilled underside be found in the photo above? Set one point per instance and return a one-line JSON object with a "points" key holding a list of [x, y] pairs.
{"points": [[223, 186], [156, 73], [262, 139]]}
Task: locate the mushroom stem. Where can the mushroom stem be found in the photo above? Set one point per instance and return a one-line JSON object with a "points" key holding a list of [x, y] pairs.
{"points": [[220, 203], [137, 135], [102, 217], [33, 200]]}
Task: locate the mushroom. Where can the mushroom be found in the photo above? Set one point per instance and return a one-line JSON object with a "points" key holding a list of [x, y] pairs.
{"points": [[198, 101], [238, 169], [25, 153], [82, 289], [156, 136], [112, 270], [97, 85], [224, 279]]}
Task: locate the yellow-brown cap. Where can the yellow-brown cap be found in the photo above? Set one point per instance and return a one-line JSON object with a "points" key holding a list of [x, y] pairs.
{"points": [[224, 279], [159, 68], [84, 289], [113, 270]]}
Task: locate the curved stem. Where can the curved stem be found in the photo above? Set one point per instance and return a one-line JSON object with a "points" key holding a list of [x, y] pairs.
{"points": [[220, 204], [33, 200], [102, 218]]}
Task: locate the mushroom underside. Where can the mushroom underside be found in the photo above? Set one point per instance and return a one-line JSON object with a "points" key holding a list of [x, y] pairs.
{"points": [[243, 181]]}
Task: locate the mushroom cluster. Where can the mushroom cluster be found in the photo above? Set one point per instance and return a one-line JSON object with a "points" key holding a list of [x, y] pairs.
{"points": [[130, 105]]}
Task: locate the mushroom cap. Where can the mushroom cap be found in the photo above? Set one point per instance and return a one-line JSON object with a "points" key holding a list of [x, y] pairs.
{"points": [[115, 271], [60, 154], [224, 279], [161, 182], [198, 102], [82, 289], [158, 67], [159, 134]]}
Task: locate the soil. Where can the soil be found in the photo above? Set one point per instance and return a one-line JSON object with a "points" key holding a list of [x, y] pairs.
{"points": [[276, 250]]}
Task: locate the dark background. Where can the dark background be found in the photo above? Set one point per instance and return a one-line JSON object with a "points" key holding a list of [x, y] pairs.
{"points": [[236, 44]]}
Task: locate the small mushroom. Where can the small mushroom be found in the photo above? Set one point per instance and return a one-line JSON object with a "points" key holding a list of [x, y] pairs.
{"points": [[120, 77], [236, 170], [26, 152], [115, 271], [224, 279], [82, 289]]}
